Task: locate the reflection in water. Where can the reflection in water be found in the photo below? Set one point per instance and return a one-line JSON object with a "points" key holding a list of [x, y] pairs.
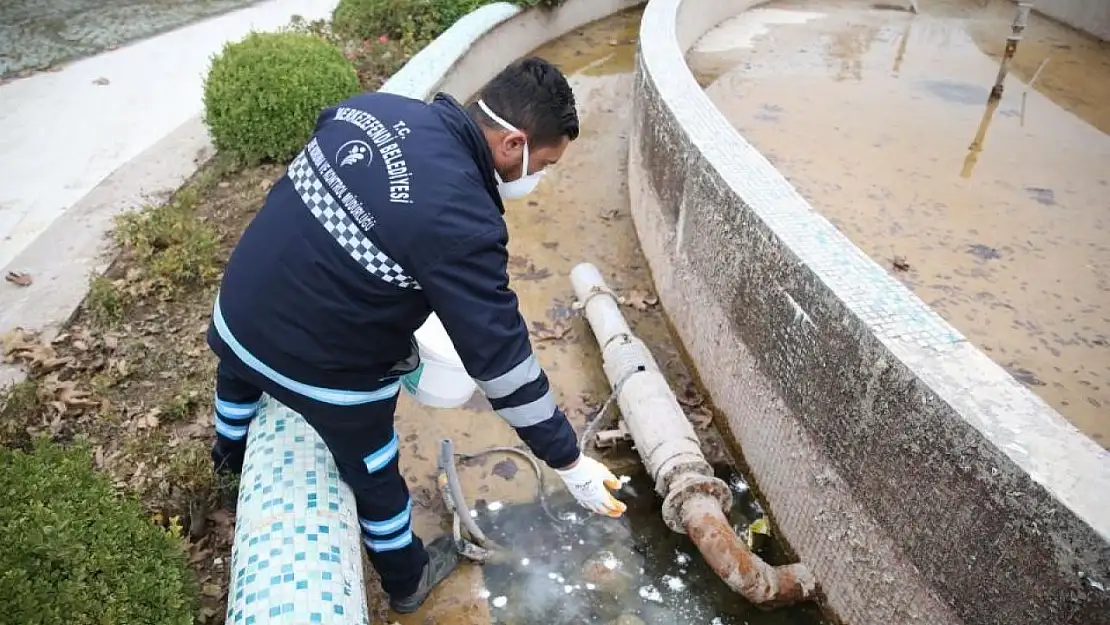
{"points": [[628, 571], [848, 46], [903, 44], [885, 155], [976, 146]]}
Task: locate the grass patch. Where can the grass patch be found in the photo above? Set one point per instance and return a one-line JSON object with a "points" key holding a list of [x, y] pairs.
{"points": [[171, 246]]}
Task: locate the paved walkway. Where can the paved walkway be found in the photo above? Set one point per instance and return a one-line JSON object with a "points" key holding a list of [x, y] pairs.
{"points": [[62, 133]]}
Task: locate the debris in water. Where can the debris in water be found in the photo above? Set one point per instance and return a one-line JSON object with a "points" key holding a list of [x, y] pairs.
{"points": [[1046, 197], [569, 516], [567, 589], [524, 561], [983, 251], [590, 586], [506, 469], [640, 300], [494, 506], [651, 593], [739, 485], [716, 621], [625, 479], [681, 559], [483, 593], [473, 514], [610, 562], [500, 602], [674, 583]]}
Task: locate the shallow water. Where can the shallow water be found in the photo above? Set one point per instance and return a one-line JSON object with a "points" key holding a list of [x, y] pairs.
{"points": [[871, 115], [35, 34], [592, 569]]}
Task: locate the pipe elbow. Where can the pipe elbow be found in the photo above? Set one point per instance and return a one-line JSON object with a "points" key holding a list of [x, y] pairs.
{"points": [[745, 573]]}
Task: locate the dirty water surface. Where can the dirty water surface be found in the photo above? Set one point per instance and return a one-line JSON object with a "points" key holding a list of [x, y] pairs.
{"points": [[580, 212], [996, 216], [588, 569]]}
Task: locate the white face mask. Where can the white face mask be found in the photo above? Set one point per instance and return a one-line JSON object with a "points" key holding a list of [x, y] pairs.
{"points": [[514, 189]]}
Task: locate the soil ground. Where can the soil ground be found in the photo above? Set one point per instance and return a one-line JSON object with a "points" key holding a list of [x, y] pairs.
{"points": [[132, 374]]}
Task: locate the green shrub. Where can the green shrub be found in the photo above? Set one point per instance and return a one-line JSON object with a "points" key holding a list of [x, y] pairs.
{"points": [[75, 553], [410, 21], [263, 94]]}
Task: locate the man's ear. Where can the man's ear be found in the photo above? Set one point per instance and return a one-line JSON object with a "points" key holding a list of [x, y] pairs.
{"points": [[513, 142]]}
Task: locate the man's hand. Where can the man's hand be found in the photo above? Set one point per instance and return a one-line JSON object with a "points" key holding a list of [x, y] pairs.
{"points": [[590, 482]]}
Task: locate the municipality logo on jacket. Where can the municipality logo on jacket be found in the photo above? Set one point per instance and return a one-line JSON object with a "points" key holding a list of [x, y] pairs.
{"points": [[353, 153]]}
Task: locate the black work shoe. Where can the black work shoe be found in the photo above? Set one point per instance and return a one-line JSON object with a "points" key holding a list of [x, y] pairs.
{"points": [[443, 559]]}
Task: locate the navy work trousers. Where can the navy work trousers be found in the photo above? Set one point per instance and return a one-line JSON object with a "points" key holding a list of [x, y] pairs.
{"points": [[365, 447]]}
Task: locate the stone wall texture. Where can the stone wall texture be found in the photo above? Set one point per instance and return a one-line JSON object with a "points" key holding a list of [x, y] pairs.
{"points": [[1090, 16], [920, 481]]}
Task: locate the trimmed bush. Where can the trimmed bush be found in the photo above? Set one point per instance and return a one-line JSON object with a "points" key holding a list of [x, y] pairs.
{"points": [[410, 21], [75, 553], [263, 94]]}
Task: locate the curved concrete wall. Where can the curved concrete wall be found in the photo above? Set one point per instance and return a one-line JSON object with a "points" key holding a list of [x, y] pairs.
{"points": [[919, 480], [1090, 16], [297, 555]]}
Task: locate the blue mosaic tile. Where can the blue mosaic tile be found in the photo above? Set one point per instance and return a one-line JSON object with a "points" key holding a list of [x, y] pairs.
{"points": [[297, 554]]}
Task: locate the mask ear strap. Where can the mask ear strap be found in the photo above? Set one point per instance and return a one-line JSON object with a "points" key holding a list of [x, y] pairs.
{"points": [[495, 117], [504, 124]]}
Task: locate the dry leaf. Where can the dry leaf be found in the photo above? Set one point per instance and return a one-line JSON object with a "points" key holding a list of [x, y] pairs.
{"points": [[900, 263], [700, 417], [111, 341], [222, 517], [149, 420], [553, 332], [640, 300], [19, 278], [689, 396]]}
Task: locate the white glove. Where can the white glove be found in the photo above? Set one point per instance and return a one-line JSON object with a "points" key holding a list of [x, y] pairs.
{"points": [[590, 482]]}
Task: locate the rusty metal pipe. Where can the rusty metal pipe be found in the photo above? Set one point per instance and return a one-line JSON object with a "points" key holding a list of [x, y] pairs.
{"points": [[744, 572], [694, 500]]}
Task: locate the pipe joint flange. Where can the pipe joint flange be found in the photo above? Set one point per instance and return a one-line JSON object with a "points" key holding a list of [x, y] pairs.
{"points": [[596, 290], [691, 485]]}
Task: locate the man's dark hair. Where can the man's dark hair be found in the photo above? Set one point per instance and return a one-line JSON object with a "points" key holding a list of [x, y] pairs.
{"points": [[533, 95]]}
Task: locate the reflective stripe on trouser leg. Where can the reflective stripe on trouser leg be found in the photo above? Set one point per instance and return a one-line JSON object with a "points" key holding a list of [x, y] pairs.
{"points": [[236, 404], [366, 452]]}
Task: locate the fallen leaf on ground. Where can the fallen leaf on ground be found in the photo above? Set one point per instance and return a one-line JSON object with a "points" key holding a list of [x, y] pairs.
{"points": [[149, 420], [549, 332], [640, 300], [526, 269], [900, 263], [700, 417], [19, 278], [506, 469], [689, 396]]}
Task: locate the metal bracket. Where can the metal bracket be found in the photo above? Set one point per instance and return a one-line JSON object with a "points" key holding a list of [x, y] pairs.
{"points": [[611, 438]]}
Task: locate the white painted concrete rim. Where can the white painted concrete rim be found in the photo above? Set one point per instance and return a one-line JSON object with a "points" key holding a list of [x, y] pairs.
{"points": [[664, 40]]}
